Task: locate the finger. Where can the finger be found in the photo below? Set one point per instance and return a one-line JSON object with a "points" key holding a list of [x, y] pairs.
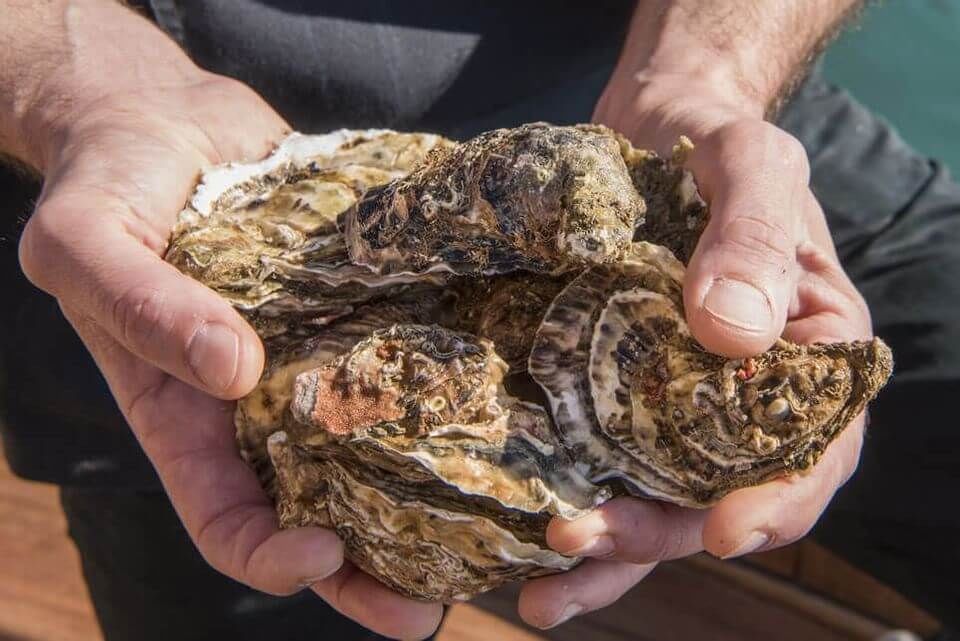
{"points": [[781, 511], [143, 303], [817, 230], [827, 307], [189, 438], [226, 512], [549, 601], [364, 599], [629, 529], [741, 278]]}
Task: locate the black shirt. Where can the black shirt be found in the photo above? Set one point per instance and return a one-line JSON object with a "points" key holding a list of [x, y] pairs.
{"points": [[417, 64], [456, 68]]}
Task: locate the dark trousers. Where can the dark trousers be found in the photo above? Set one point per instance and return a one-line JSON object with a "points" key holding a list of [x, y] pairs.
{"points": [[895, 217], [149, 582]]}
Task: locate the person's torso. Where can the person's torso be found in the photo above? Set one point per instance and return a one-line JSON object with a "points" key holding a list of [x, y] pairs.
{"points": [[452, 67], [429, 64]]}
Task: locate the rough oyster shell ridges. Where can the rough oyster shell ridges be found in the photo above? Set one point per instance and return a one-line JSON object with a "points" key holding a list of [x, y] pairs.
{"points": [[466, 340]]}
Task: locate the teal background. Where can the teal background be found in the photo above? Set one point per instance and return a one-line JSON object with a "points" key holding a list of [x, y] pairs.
{"points": [[902, 59]]}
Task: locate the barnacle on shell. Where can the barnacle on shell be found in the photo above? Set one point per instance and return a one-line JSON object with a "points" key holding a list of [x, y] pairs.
{"points": [[466, 476], [466, 340]]}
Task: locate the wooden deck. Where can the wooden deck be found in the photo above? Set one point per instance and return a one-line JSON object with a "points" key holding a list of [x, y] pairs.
{"points": [[43, 597]]}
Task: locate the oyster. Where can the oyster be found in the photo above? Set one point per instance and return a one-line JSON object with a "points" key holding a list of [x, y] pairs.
{"points": [[466, 478], [466, 340], [265, 235], [532, 198], [636, 398]]}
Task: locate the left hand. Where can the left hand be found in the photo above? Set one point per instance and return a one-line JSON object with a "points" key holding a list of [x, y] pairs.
{"points": [[764, 267], [121, 130]]}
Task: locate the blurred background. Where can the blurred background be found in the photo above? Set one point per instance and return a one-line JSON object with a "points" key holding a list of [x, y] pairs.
{"points": [[900, 60]]}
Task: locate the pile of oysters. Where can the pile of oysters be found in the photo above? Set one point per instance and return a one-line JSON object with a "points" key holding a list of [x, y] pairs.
{"points": [[466, 340]]}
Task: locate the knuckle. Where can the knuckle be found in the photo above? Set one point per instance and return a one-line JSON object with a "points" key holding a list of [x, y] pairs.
{"points": [[29, 251], [227, 85], [222, 542], [228, 88], [142, 317], [743, 134], [862, 311], [252, 561], [790, 149], [40, 244], [787, 535], [647, 532], [762, 238], [860, 307], [654, 542], [661, 546], [140, 411]]}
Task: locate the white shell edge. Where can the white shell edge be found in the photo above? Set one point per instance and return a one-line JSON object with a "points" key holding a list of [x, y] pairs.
{"points": [[297, 148]]}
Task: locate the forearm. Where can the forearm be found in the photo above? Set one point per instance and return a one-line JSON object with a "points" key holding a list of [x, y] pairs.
{"points": [[61, 55], [752, 52]]}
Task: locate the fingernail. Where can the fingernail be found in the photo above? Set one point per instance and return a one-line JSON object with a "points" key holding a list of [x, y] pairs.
{"points": [[306, 583], [739, 304], [602, 545], [213, 355], [752, 543], [572, 610]]}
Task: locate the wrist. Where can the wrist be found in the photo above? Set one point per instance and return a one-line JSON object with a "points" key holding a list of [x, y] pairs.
{"points": [[722, 81], [655, 107], [699, 41], [732, 57]]}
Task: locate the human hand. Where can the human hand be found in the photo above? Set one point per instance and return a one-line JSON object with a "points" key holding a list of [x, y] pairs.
{"points": [[764, 267], [121, 152]]}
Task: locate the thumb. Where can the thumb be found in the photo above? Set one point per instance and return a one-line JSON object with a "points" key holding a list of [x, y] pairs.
{"points": [[742, 277], [90, 250]]}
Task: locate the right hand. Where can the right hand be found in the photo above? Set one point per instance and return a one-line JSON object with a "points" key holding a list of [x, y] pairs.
{"points": [[121, 146], [765, 266]]}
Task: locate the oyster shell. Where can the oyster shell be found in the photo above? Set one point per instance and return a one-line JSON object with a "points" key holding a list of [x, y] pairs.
{"points": [[466, 476], [636, 398], [466, 340], [535, 198], [265, 235]]}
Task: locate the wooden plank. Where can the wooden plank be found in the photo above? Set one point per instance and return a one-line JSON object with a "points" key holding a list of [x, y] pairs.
{"points": [[42, 593], [469, 622], [678, 602], [813, 606], [816, 568], [43, 597]]}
